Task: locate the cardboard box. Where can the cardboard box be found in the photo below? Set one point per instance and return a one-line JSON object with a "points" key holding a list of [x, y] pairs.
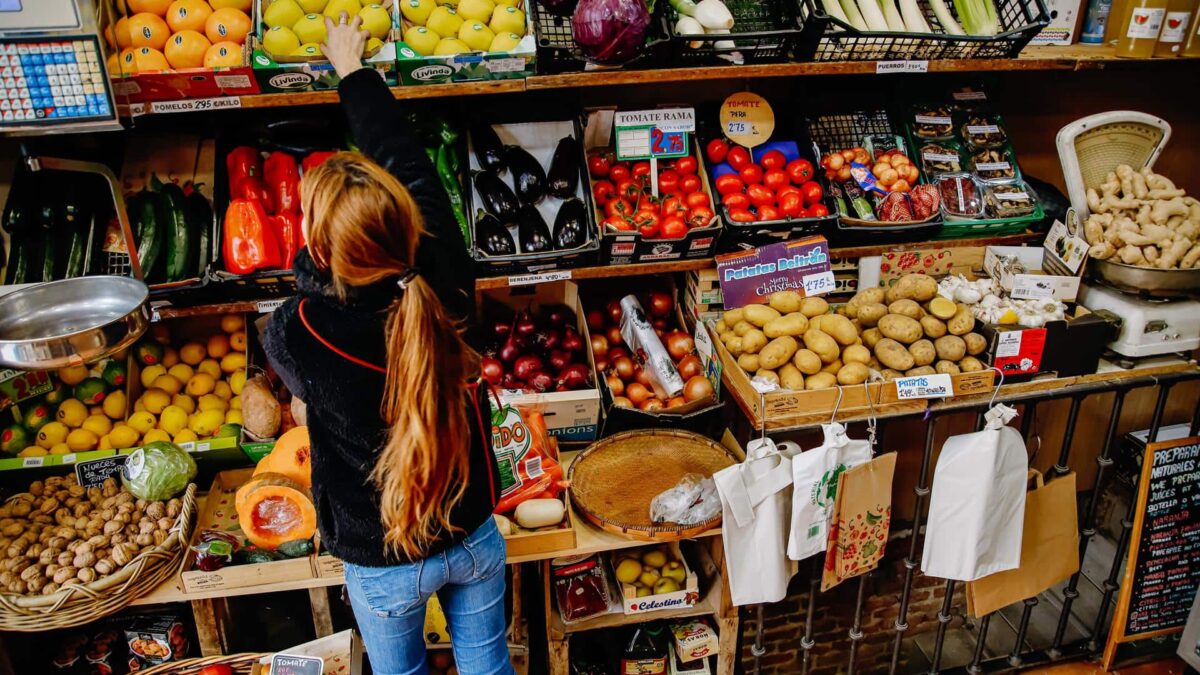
{"points": [[324, 563], [694, 640], [472, 66], [1031, 282], [687, 595], [545, 540], [342, 653], [1067, 348]]}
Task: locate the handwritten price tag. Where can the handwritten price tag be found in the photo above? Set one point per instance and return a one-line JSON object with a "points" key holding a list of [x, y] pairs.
{"points": [[819, 283], [889, 67], [924, 386], [544, 277], [747, 119]]}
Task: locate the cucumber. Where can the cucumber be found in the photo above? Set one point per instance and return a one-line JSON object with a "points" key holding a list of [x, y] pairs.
{"points": [[20, 256], [143, 212], [297, 548], [200, 221], [76, 247], [178, 253], [74, 222], [252, 555], [47, 265]]}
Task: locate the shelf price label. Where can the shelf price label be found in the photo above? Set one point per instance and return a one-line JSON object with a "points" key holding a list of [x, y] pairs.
{"points": [[751, 276], [747, 119], [659, 134], [909, 66], [924, 386]]}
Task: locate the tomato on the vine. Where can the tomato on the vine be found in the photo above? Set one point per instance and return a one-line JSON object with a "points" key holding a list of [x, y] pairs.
{"points": [[618, 173], [618, 223], [700, 216], [603, 192], [668, 181], [673, 206], [689, 184], [738, 158], [674, 228], [736, 200], [775, 179], [598, 166], [619, 208], [628, 189], [687, 165], [717, 150], [772, 160], [641, 170], [695, 199], [729, 183], [751, 175], [799, 171]]}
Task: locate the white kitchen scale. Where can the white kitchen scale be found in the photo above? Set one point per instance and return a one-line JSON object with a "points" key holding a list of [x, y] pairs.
{"points": [[1148, 327]]}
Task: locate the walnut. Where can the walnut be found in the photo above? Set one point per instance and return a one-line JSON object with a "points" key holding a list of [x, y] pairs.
{"points": [[81, 509], [124, 518], [94, 494], [105, 567], [86, 575], [14, 551], [165, 524], [13, 530], [20, 564], [36, 584], [65, 573], [67, 533], [42, 518], [174, 507], [77, 490], [83, 547], [50, 569], [160, 536], [113, 526], [5, 542], [37, 487], [6, 511], [124, 552], [54, 482], [145, 539], [146, 526], [63, 516], [57, 542], [6, 578], [98, 541], [156, 510], [65, 558], [117, 538], [86, 559], [124, 507], [73, 547], [48, 555], [110, 483], [72, 502], [17, 587], [126, 498], [110, 502], [21, 509], [31, 572], [34, 550], [50, 588]]}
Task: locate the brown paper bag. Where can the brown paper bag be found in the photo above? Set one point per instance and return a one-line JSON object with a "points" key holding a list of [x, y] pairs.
{"points": [[1049, 548], [858, 526]]}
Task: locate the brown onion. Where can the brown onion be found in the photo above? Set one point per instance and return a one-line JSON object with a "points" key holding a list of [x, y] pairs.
{"points": [[679, 344], [643, 377], [622, 402], [616, 385], [689, 367], [601, 365], [698, 388], [614, 336], [652, 405], [614, 311], [623, 366], [599, 346], [676, 401], [637, 393]]}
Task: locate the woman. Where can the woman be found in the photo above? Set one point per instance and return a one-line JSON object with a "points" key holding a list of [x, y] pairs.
{"points": [[403, 477]]}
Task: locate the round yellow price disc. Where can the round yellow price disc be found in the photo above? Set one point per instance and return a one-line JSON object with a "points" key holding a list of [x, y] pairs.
{"points": [[747, 119]]}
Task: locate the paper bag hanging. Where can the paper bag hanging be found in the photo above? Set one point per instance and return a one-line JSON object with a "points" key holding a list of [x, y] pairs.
{"points": [[1049, 548], [814, 488], [862, 515]]}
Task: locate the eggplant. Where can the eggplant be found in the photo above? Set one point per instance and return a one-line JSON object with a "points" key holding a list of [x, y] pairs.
{"points": [[563, 176], [528, 175], [493, 236], [498, 198], [532, 231], [488, 148], [570, 225]]}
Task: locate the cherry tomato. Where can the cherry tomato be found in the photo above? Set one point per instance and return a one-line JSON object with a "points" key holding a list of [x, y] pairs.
{"points": [[760, 195], [700, 216], [751, 175], [668, 180], [641, 170], [598, 166], [673, 206], [687, 165], [812, 192], [619, 208], [689, 184], [717, 150], [736, 200], [629, 189], [768, 212], [772, 160], [603, 192], [618, 173], [741, 216], [791, 204], [695, 199], [818, 211], [618, 223], [674, 228], [775, 179], [738, 158], [729, 183], [800, 170]]}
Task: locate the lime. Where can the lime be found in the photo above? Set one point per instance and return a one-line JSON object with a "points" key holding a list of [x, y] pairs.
{"points": [[91, 391], [114, 374], [13, 439], [37, 418], [148, 352], [229, 431]]}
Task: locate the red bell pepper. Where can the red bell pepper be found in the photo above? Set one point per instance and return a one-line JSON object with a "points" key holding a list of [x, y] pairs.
{"points": [[254, 188], [249, 242], [242, 162], [282, 176], [287, 231], [315, 159]]}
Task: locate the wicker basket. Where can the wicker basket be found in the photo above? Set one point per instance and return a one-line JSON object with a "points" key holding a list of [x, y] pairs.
{"points": [[83, 603], [613, 481], [242, 664]]}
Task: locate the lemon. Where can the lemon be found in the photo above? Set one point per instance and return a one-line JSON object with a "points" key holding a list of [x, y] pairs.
{"points": [[71, 413], [310, 29], [444, 21], [233, 417], [96, 410], [373, 46], [312, 7], [378, 21], [218, 345], [63, 448], [52, 434], [155, 435], [173, 419], [211, 367], [32, 451], [212, 402], [98, 424], [80, 440], [187, 403], [152, 373], [451, 3], [509, 3], [192, 353], [139, 406], [335, 7], [476, 36], [504, 42], [233, 362], [206, 423], [155, 400], [628, 570], [123, 436], [450, 47], [200, 384], [170, 357], [507, 20], [105, 443], [237, 380], [114, 405], [167, 383], [282, 13], [308, 49], [416, 11], [72, 375], [235, 403], [142, 421], [223, 390], [181, 371], [476, 10], [280, 40], [422, 40], [184, 436]]}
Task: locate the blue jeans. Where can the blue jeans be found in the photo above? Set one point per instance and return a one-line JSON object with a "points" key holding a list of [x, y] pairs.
{"points": [[389, 604]]}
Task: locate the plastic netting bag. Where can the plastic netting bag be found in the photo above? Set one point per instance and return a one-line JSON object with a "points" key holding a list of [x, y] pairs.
{"points": [[693, 500]]}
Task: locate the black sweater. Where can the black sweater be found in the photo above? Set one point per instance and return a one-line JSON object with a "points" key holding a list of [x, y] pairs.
{"points": [[305, 335]]}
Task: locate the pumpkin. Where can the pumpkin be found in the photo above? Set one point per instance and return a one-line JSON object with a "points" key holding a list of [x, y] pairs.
{"points": [[292, 457], [273, 509]]}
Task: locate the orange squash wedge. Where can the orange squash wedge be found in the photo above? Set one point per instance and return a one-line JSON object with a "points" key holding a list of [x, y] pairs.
{"points": [[273, 509], [292, 457]]}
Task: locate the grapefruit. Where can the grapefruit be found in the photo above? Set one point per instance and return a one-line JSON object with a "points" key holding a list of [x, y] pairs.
{"points": [[227, 25], [158, 7], [223, 55], [149, 60], [188, 15], [186, 49], [148, 30]]}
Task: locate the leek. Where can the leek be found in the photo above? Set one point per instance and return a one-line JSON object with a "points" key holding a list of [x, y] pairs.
{"points": [[892, 16], [686, 25], [873, 17], [853, 16], [833, 9], [978, 16], [684, 7], [914, 21], [949, 25], [713, 15]]}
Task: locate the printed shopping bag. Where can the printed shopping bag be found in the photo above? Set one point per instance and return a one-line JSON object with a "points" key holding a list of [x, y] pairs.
{"points": [[862, 514], [1049, 548], [815, 476]]}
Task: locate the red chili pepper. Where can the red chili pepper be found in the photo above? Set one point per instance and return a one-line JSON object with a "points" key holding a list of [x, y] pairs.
{"points": [[282, 176], [255, 189], [315, 159], [287, 231], [248, 242], [242, 162]]}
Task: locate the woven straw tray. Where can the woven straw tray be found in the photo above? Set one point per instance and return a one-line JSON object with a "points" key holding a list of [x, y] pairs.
{"points": [[241, 664], [613, 481]]}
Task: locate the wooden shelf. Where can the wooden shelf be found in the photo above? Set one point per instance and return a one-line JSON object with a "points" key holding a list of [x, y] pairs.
{"points": [[709, 605]]}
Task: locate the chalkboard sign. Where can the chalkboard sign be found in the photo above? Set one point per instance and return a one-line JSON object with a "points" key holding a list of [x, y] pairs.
{"points": [[1163, 569], [93, 472], [288, 664]]}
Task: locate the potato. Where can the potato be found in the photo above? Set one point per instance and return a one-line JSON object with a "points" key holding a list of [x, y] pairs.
{"points": [[748, 362], [976, 343], [753, 341], [923, 352], [893, 355], [741, 328], [856, 354], [793, 324], [920, 370], [947, 367], [777, 352], [874, 364], [732, 317], [950, 348], [735, 346], [942, 308], [721, 326], [832, 367], [785, 302], [852, 373], [850, 309], [768, 375], [791, 378], [822, 345], [839, 328], [868, 296], [815, 322], [814, 306], [807, 362], [917, 287], [871, 336], [906, 307], [900, 328], [869, 315], [933, 326], [889, 374], [962, 322], [970, 364], [820, 381], [759, 315]]}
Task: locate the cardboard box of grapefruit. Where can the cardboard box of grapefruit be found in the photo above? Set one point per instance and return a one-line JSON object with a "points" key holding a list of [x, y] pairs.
{"points": [[161, 50]]}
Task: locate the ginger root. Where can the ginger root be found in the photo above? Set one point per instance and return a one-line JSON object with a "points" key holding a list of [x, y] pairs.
{"points": [[1132, 255], [1143, 219], [1172, 255], [1191, 259], [1162, 210]]}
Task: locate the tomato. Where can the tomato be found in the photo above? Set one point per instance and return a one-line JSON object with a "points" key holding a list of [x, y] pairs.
{"points": [[674, 228], [818, 211], [603, 192], [741, 216], [687, 165], [791, 204], [629, 189], [738, 158], [695, 199], [700, 216], [673, 206], [647, 222], [775, 179], [751, 175], [619, 208], [768, 212], [760, 195], [812, 192], [689, 184], [668, 181], [772, 160], [598, 166], [800, 170], [717, 150], [789, 190], [618, 173], [736, 200], [617, 223], [729, 183], [218, 669], [641, 170]]}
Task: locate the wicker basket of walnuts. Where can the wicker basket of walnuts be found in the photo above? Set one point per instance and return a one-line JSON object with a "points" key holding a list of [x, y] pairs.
{"points": [[70, 555]]}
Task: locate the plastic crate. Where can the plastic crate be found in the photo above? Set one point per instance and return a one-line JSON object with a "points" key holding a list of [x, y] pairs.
{"points": [[558, 53], [829, 39], [764, 31]]}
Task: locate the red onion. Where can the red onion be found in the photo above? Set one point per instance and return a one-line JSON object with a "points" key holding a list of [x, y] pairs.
{"points": [[572, 341], [541, 381], [595, 320], [491, 370], [574, 376], [526, 366], [559, 359]]}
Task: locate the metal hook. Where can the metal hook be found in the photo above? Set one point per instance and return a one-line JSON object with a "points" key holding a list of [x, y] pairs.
{"points": [[836, 406], [871, 419], [762, 420], [996, 391]]}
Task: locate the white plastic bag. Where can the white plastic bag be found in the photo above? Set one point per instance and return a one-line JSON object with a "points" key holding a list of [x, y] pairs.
{"points": [[814, 487], [693, 500], [977, 509]]}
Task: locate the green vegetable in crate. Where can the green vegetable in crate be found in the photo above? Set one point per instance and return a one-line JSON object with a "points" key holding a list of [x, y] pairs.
{"points": [[199, 215], [158, 471], [295, 549], [443, 162], [143, 216], [179, 241]]}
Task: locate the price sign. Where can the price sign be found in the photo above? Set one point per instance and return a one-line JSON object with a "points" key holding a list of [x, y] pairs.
{"points": [[19, 385], [912, 66], [189, 105], [747, 119], [649, 134], [748, 277], [924, 386], [543, 278], [287, 664], [94, 472]]}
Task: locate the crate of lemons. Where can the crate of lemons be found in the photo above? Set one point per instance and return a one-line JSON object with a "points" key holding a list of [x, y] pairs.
{"points": [[83, 405], [433, 32], [294, 30]]}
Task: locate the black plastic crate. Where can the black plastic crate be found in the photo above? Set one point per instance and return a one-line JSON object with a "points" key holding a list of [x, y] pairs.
{"points": [[558, 53], [828, 39], [764, 31]]}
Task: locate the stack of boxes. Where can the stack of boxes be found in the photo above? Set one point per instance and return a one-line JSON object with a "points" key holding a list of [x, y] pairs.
{"points": [[702, 299]]}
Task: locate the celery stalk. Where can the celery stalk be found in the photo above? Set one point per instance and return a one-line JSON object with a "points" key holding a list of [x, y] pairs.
{"points": [[978, 16]]}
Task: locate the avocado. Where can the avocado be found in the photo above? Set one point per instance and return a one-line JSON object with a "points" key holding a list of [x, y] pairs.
{"points": [[14, 439], [91, 391], [148, 352], [37, 418], [114, 373]]}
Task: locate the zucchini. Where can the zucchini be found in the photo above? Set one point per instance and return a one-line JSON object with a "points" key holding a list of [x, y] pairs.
{"points": [[75, 243], [143, 213], [20, 256], [250, 555], [46, 266], [297, 548], [200, 221], [178, 253]]}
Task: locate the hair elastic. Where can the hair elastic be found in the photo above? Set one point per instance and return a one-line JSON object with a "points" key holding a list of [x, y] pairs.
{"points": [[407, 278]]}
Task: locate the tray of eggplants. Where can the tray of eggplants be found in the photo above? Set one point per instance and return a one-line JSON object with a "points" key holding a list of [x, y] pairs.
{"points": [[528, 203]]}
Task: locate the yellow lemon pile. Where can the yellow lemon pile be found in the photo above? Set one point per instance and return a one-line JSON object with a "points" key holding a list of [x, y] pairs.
{"points": [[297, 27], [446, 27]]}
